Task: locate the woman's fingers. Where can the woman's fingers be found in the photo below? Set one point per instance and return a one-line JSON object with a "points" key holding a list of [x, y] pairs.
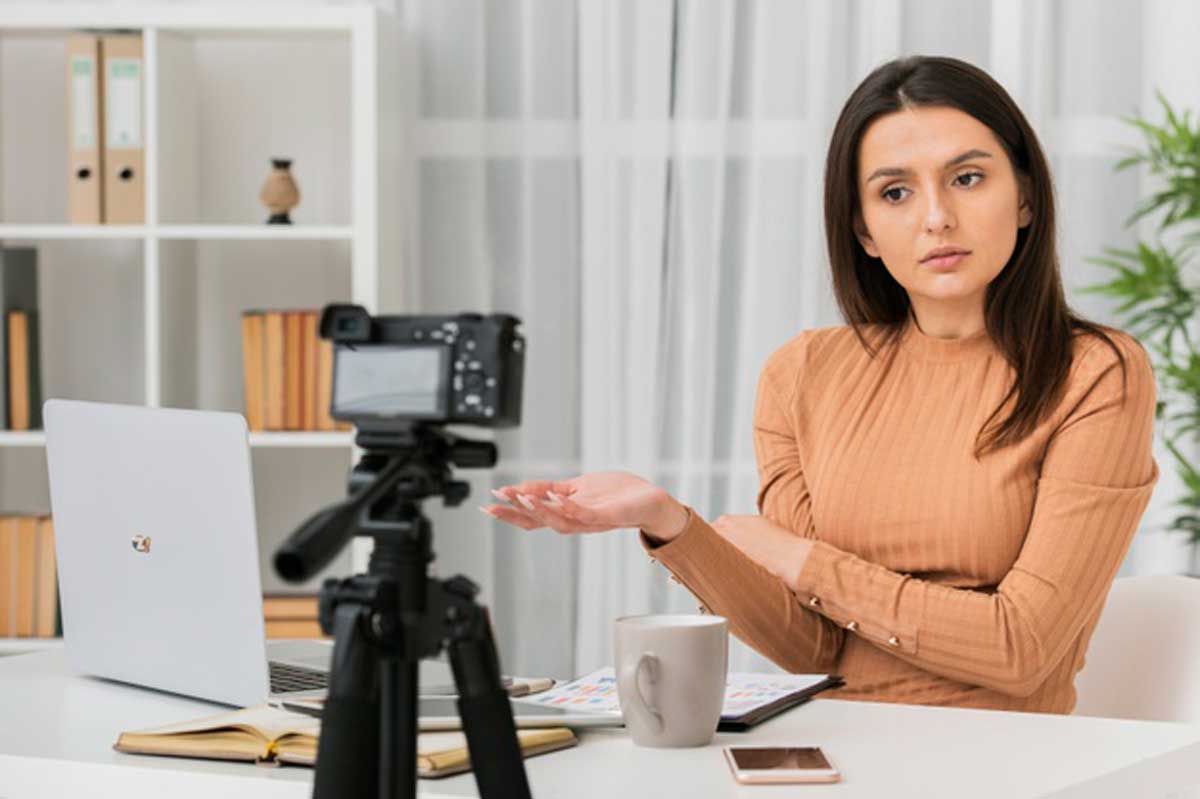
{"points": [[553, 517], [511, 516], [535, 487]]}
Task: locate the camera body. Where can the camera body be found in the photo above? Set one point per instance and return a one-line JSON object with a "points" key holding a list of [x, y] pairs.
{"points": [[392, 371]]}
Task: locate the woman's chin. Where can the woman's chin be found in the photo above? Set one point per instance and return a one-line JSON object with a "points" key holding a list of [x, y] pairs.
{"points": [[949, 287]]}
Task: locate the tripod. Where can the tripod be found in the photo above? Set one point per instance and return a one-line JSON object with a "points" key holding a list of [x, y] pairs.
{"points": [[386, 621]]}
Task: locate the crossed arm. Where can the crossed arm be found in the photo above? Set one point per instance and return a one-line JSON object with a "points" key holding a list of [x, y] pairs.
{"points": [[764, 574]]}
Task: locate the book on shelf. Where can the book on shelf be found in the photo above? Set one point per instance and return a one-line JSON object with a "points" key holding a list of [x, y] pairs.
{"points": [[273, 368], [290, 606], [287, 371], [24, 372], [325, 421], [85, 189], [252, 370], [19, 293], [124, 155], [28, 577], [267, 734], [293, 369], [25, 582], [292, 616], [308, 349]]}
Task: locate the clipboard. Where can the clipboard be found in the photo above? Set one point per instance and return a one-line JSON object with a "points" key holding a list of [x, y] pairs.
{"points": [[744, 721]]}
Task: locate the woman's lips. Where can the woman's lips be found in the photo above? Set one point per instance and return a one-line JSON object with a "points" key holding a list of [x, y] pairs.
{"points": [[945, 262]]}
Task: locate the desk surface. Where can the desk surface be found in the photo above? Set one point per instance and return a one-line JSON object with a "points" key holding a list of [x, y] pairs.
{"points": [[57, 732]]}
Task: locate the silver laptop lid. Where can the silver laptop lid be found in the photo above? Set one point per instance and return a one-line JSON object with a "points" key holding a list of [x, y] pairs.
{"points": [[158, 563]]}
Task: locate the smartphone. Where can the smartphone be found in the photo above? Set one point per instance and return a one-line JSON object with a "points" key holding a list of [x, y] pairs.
{"points": [[762, 764]]}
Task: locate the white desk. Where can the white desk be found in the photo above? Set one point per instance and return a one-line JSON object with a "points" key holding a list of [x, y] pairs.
{"points": [[57, 731]]}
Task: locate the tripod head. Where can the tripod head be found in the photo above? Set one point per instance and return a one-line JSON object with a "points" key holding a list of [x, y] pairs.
{"points": [[397, 471]]}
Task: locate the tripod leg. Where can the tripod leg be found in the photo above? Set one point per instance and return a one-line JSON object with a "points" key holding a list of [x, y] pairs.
{"points": [[486, 712], [348, 750], [398, 722]]}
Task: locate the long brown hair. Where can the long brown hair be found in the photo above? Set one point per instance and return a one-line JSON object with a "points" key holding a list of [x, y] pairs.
{"points": [[1025, 311]]}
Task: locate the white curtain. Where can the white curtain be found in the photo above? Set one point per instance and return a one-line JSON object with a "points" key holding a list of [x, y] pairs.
{"points": [[640, 181]]}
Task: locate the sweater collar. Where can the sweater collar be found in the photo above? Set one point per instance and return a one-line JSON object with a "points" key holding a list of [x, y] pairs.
{"points": [[919, 344]]}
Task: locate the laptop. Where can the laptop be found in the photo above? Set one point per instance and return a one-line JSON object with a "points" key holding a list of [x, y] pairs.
{"points": [[158, 555], [158, 564]]}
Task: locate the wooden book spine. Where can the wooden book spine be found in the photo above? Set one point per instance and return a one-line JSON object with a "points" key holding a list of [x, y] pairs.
{"points": [[18, 292], [279, 608], [46, 604], [310, 339], [18, 370], [26, 568], [293, 342], [8, 575], [252, 370], [294, 628], [274, 356], [324, 384]]}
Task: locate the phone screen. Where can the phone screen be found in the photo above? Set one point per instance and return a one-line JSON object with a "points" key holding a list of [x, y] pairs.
{"points": [[767, 758]]}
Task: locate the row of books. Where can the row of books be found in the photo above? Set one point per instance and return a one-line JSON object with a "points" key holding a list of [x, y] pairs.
{"points": [[287, 371], [105, 147], [28, 578], [20, 371], [291, 616]]}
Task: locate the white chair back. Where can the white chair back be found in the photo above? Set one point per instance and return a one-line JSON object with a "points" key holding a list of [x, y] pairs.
{"points": [[1144, 658]]}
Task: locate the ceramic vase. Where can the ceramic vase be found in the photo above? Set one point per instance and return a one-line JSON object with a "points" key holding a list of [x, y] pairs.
{"points": [[280, 193]]}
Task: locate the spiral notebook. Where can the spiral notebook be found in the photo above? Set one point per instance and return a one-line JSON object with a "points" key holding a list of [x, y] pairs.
{"points": [[750, 698]]}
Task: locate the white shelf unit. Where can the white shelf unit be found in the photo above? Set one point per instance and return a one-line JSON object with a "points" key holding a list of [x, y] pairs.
{"points": [[177, 283]]}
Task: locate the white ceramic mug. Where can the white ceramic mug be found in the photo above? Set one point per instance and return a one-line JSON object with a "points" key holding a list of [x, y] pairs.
{"points": [[671, 673]]}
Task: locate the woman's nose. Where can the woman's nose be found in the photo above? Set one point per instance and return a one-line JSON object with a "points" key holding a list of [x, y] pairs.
{"points": [[939, 214]]}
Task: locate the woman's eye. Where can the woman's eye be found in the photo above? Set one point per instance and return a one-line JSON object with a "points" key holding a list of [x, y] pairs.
{"points": [[887, 195], [970, 175]]}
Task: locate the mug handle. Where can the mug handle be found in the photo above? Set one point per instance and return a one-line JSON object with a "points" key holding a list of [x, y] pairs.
{"points": [[638, 704]]}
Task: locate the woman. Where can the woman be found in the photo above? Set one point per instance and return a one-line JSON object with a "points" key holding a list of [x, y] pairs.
{"points": [[949, 483]]}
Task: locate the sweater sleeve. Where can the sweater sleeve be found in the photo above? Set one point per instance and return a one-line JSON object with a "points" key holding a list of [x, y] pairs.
{"points": [[761, 609], [1095, 481]]}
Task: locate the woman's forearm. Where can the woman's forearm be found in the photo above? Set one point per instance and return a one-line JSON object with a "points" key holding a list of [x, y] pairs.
{"points": [[667, 521], [779, 551]]}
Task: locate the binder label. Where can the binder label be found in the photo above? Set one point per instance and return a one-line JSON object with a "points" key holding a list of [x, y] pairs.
{"points": [[124, 102], [83, 100]]}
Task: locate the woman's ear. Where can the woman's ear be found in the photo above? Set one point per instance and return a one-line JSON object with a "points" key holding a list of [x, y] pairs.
{"points": [[864, 238], [1024, 210]]}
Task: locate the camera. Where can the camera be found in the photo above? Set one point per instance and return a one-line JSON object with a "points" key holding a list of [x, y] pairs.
{"points": [[391, 371]]}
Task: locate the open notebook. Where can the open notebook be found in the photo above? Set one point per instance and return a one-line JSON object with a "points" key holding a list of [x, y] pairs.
{"points": [[266, 734]]}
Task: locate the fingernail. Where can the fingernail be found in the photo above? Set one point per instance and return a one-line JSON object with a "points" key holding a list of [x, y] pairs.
{"points": [[524, 500], [486, 512], [555, 498], [498, 495]]}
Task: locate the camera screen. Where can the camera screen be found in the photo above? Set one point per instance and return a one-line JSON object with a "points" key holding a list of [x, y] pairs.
{"points": [[390, 381]]}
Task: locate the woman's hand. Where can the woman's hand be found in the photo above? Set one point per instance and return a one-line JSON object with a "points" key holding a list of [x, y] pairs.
{"points": [[591, 503], [775, 548]]}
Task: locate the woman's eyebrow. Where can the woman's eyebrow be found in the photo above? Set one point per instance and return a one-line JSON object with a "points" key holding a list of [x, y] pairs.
{"points": [[896, 171]]}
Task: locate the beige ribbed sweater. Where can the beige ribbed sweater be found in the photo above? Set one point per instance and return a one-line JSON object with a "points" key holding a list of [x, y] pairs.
{"points": [[934, 578]]}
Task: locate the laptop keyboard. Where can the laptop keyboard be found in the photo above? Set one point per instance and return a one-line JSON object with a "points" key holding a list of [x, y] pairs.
{"points": [[286, 678]]}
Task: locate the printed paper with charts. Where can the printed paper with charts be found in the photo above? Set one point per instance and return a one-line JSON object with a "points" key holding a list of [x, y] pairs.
{"points": [[745, 691]]}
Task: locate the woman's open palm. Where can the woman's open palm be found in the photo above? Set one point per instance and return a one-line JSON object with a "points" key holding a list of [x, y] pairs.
{"points": [[590, 503]]}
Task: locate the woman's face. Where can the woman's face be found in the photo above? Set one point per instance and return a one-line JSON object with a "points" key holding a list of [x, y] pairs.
{"points": [[932, 177]]}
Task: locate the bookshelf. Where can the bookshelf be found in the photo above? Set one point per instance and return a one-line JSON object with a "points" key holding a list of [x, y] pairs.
{"points": [[148, 313]]}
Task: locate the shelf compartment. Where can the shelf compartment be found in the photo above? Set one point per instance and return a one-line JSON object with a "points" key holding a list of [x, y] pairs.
{"points": [[227, 105]]}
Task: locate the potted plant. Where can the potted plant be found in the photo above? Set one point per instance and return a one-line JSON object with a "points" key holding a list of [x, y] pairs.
{"points": [[1159, 296]]}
